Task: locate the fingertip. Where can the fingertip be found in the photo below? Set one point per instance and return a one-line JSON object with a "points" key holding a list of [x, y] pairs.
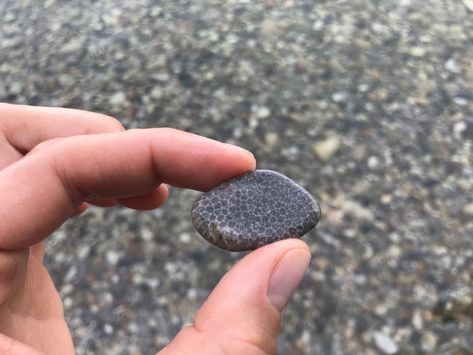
{"points": [[244, 154], [293, 243], [275, 250], [245, 157], [286, 276], [250, 157], [239, 315], [107, 123]]}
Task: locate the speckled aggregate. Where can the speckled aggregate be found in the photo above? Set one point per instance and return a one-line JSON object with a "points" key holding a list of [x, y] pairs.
{"points": [[387, 83], [253, 210]]}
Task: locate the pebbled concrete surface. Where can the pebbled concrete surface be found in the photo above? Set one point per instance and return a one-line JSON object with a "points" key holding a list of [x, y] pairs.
{"points": [[367, 104]]}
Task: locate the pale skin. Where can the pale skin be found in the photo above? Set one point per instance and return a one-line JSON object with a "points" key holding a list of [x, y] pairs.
{"points": [[55, 162]]}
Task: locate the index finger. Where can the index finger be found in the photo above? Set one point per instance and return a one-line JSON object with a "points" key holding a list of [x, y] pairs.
{"points": [[27, 126], [43, 189]]}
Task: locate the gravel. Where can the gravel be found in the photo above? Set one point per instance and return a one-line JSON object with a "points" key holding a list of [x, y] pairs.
{"points": [[391, 80]]}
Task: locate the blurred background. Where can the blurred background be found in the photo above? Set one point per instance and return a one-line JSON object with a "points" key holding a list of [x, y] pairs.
{"points": [[367, 104]]}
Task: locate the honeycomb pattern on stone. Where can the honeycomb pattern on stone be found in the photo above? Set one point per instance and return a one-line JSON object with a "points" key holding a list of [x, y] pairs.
{"points": [[253, 210]]}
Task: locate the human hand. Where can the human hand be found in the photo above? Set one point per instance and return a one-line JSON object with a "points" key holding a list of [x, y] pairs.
{"points": [[54, 162]]}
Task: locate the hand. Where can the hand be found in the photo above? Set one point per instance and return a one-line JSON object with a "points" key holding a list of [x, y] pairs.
{"points": [[55, 161]]}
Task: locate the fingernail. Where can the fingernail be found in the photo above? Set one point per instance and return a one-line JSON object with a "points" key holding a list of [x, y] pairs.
{"points": [[238, 149], [286, 276]]}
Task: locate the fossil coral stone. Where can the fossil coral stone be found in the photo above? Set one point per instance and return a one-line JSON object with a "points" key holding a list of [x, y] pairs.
{"points": [[253, 210]]}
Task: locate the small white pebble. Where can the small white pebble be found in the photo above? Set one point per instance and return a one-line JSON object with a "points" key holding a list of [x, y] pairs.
{"points": [[305, 338], [380, 310], [162, 77], [262, 112], [327, 148], [394, 251], [137, 279], [318, 25], [156, 93], [133, 327], [429, 342], [349, 233], [468, 210], [468, 4], [117, 99], [386, 199], [156, 11], [363, 87], [373, 163], [417, 321], [417, 52], [153, 283], [112, 257], [66, 289], [360, 279], [108, 329], [67, 302], [318, 276], [83, 252], [71, 274], [15, 88], [384, 343], [9, 17], [291, 152], [357, 210], [271, 139], [368, 252], [185, 238], [192, 294], [106, 298], [339, 97], [458, 129], [147, 234], [460, 101], [451, 66]]}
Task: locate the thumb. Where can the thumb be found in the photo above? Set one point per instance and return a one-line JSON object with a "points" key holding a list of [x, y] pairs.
{"points": [[243, 313]]}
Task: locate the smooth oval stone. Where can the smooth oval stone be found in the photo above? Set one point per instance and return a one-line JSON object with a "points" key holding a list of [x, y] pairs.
{"points": [[253, 210]]}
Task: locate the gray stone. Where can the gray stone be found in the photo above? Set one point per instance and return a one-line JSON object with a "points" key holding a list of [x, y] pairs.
{"points": [[253, 210]]}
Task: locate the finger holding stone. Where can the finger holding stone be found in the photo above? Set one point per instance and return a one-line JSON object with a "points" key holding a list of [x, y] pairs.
{"points": [[44, 188], [25, 127], [148, 201]]}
